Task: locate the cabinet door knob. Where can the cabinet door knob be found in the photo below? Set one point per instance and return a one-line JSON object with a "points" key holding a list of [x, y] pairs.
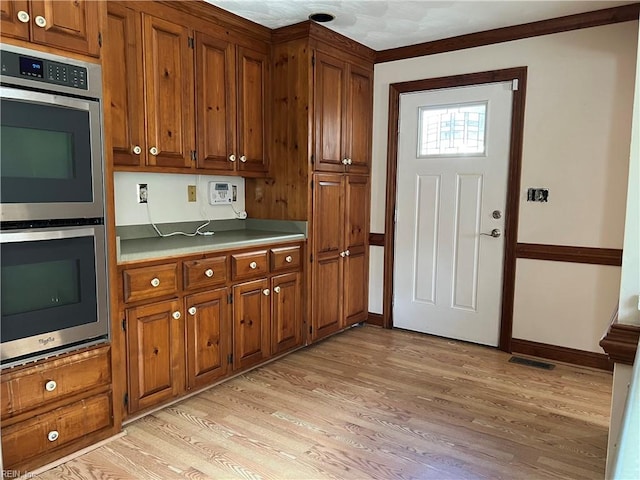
{"points": [[192, 311], [176, 315], [155, 282], [23, 16], [349, 161], [343, 254], [41, 21], [232, 158], [253, 265], [345, 161], [347, 253], [153, 151], [50, 386], [53, 435], [276, 289], [243, 158], [136, 149], [208, 273], [288, 259], [266, 292]]}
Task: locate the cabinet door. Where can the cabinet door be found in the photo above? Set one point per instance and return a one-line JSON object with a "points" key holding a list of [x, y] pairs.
{"points": [[155, 347], [67, 24], [252, 104], [122, 61], [168, 65], [359, 119], [330, 113], [215, 103], [251, 321], [208, 334], [356, 263], [286, 313], [12, 25], [327, 266]]}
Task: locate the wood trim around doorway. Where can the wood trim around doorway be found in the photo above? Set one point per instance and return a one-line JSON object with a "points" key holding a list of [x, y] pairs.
{"points": [[513, 186]]}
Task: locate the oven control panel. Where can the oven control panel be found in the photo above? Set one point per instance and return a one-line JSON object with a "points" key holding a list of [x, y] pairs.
{"points": [[47, 71]]}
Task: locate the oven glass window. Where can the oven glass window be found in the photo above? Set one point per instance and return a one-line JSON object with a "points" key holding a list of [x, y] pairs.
{"points": [[47, 286], [45, 152]]}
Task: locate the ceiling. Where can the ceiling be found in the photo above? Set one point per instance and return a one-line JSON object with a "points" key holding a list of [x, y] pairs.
{"points": [[395, 23]]}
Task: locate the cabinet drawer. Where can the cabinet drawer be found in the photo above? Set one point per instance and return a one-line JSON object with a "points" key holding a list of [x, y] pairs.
{"points": [[205, 273], [285, 259], [54, 380], [150, 282], [55, 429], [249, 265]]}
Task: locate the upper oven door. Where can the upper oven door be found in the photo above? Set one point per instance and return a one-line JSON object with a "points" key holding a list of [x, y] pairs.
{"points": [[51, 152]]}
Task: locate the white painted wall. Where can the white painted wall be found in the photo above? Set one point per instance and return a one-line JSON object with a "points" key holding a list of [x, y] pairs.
{"points": [[167, 195], [629, 305], [576, 139]]}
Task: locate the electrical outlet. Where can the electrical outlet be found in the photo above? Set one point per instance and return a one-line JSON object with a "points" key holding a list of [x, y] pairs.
{"points": [[191, 193], [143, 193]]}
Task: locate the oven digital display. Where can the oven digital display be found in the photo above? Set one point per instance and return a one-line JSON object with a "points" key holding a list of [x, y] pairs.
{"points": [[31, 67]]}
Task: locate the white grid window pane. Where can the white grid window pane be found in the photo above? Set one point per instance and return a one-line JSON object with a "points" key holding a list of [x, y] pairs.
{"points": [[452, 130]]}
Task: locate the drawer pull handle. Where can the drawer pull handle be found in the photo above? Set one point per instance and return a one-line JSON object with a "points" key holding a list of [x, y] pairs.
{"points": [[253, 265], [41, 21], [53, 435], [155, 282], [208, 273], [50, 386], [176, 315], [266, 292], [276, 289], [192, 311], [288, 259], [23, 16]]}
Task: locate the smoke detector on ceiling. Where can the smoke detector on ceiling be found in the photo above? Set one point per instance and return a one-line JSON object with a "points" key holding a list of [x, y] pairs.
{"points": [[321, 17]]}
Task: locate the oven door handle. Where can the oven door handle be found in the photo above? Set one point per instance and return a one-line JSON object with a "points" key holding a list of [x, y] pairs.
{"points": [[52, 233], [43, 98]]}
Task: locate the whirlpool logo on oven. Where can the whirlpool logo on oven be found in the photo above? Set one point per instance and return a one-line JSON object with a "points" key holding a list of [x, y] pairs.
{"points": [[46, 341]]}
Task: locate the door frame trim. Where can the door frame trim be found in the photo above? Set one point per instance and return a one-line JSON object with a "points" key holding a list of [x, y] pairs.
{"points": [[513, 183]]}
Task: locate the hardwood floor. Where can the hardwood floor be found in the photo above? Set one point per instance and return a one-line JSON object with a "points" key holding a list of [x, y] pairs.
{"points": [[373, 403]]}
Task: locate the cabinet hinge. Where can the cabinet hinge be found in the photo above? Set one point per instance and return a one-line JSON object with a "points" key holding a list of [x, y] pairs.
{"points": [[190, 42], [230, 358], [230, 298], [100, 39], [311, 184], [310, 329], [194, 156], [313, 60], [124, 324], [311, 258], [313, 159], [125, 399]]}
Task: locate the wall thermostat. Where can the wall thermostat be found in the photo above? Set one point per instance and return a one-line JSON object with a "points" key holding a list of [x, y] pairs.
{"points": [[220, 193]]}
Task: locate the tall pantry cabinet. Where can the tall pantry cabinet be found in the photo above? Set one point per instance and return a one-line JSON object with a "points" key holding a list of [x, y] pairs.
{"points": [[321, 156]]}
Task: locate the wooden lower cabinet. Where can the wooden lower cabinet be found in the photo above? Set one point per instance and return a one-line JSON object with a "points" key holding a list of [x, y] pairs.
{"points": [[251, 322], [155, 347], [208, 337], [286, 312], [327, 295]]}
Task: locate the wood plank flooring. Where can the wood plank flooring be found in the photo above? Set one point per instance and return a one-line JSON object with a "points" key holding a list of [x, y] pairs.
{"points": [[373, 403]]}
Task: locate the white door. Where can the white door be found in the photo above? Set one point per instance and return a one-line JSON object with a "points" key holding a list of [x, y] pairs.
{"points": [[453, 159]]}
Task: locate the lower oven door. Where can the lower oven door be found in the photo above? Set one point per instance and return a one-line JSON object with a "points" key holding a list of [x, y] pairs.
{"points": [[54, 290]]}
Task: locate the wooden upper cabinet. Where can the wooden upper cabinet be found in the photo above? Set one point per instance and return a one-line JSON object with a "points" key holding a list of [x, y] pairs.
{"points": [[252, 118], [343, 99], [168, 65], [359, 120], [330, 113], [15, 18], [215, 103], [124, 85]]}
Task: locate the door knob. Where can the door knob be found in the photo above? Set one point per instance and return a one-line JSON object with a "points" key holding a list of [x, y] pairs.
{"points": [[243, 158], [41, 21], [265, 292], [276, 289], [153, 151], [192, 310], [176, 315], [495, 233], [345, 161], [232, 158], [136, 149], [23, 16]]}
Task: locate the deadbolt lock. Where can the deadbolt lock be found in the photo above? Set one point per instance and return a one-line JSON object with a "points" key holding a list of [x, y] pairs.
{"points": [[496, 214]]}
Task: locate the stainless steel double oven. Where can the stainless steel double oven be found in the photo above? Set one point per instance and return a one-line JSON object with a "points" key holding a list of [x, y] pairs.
{"points": [[54, 287]]}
